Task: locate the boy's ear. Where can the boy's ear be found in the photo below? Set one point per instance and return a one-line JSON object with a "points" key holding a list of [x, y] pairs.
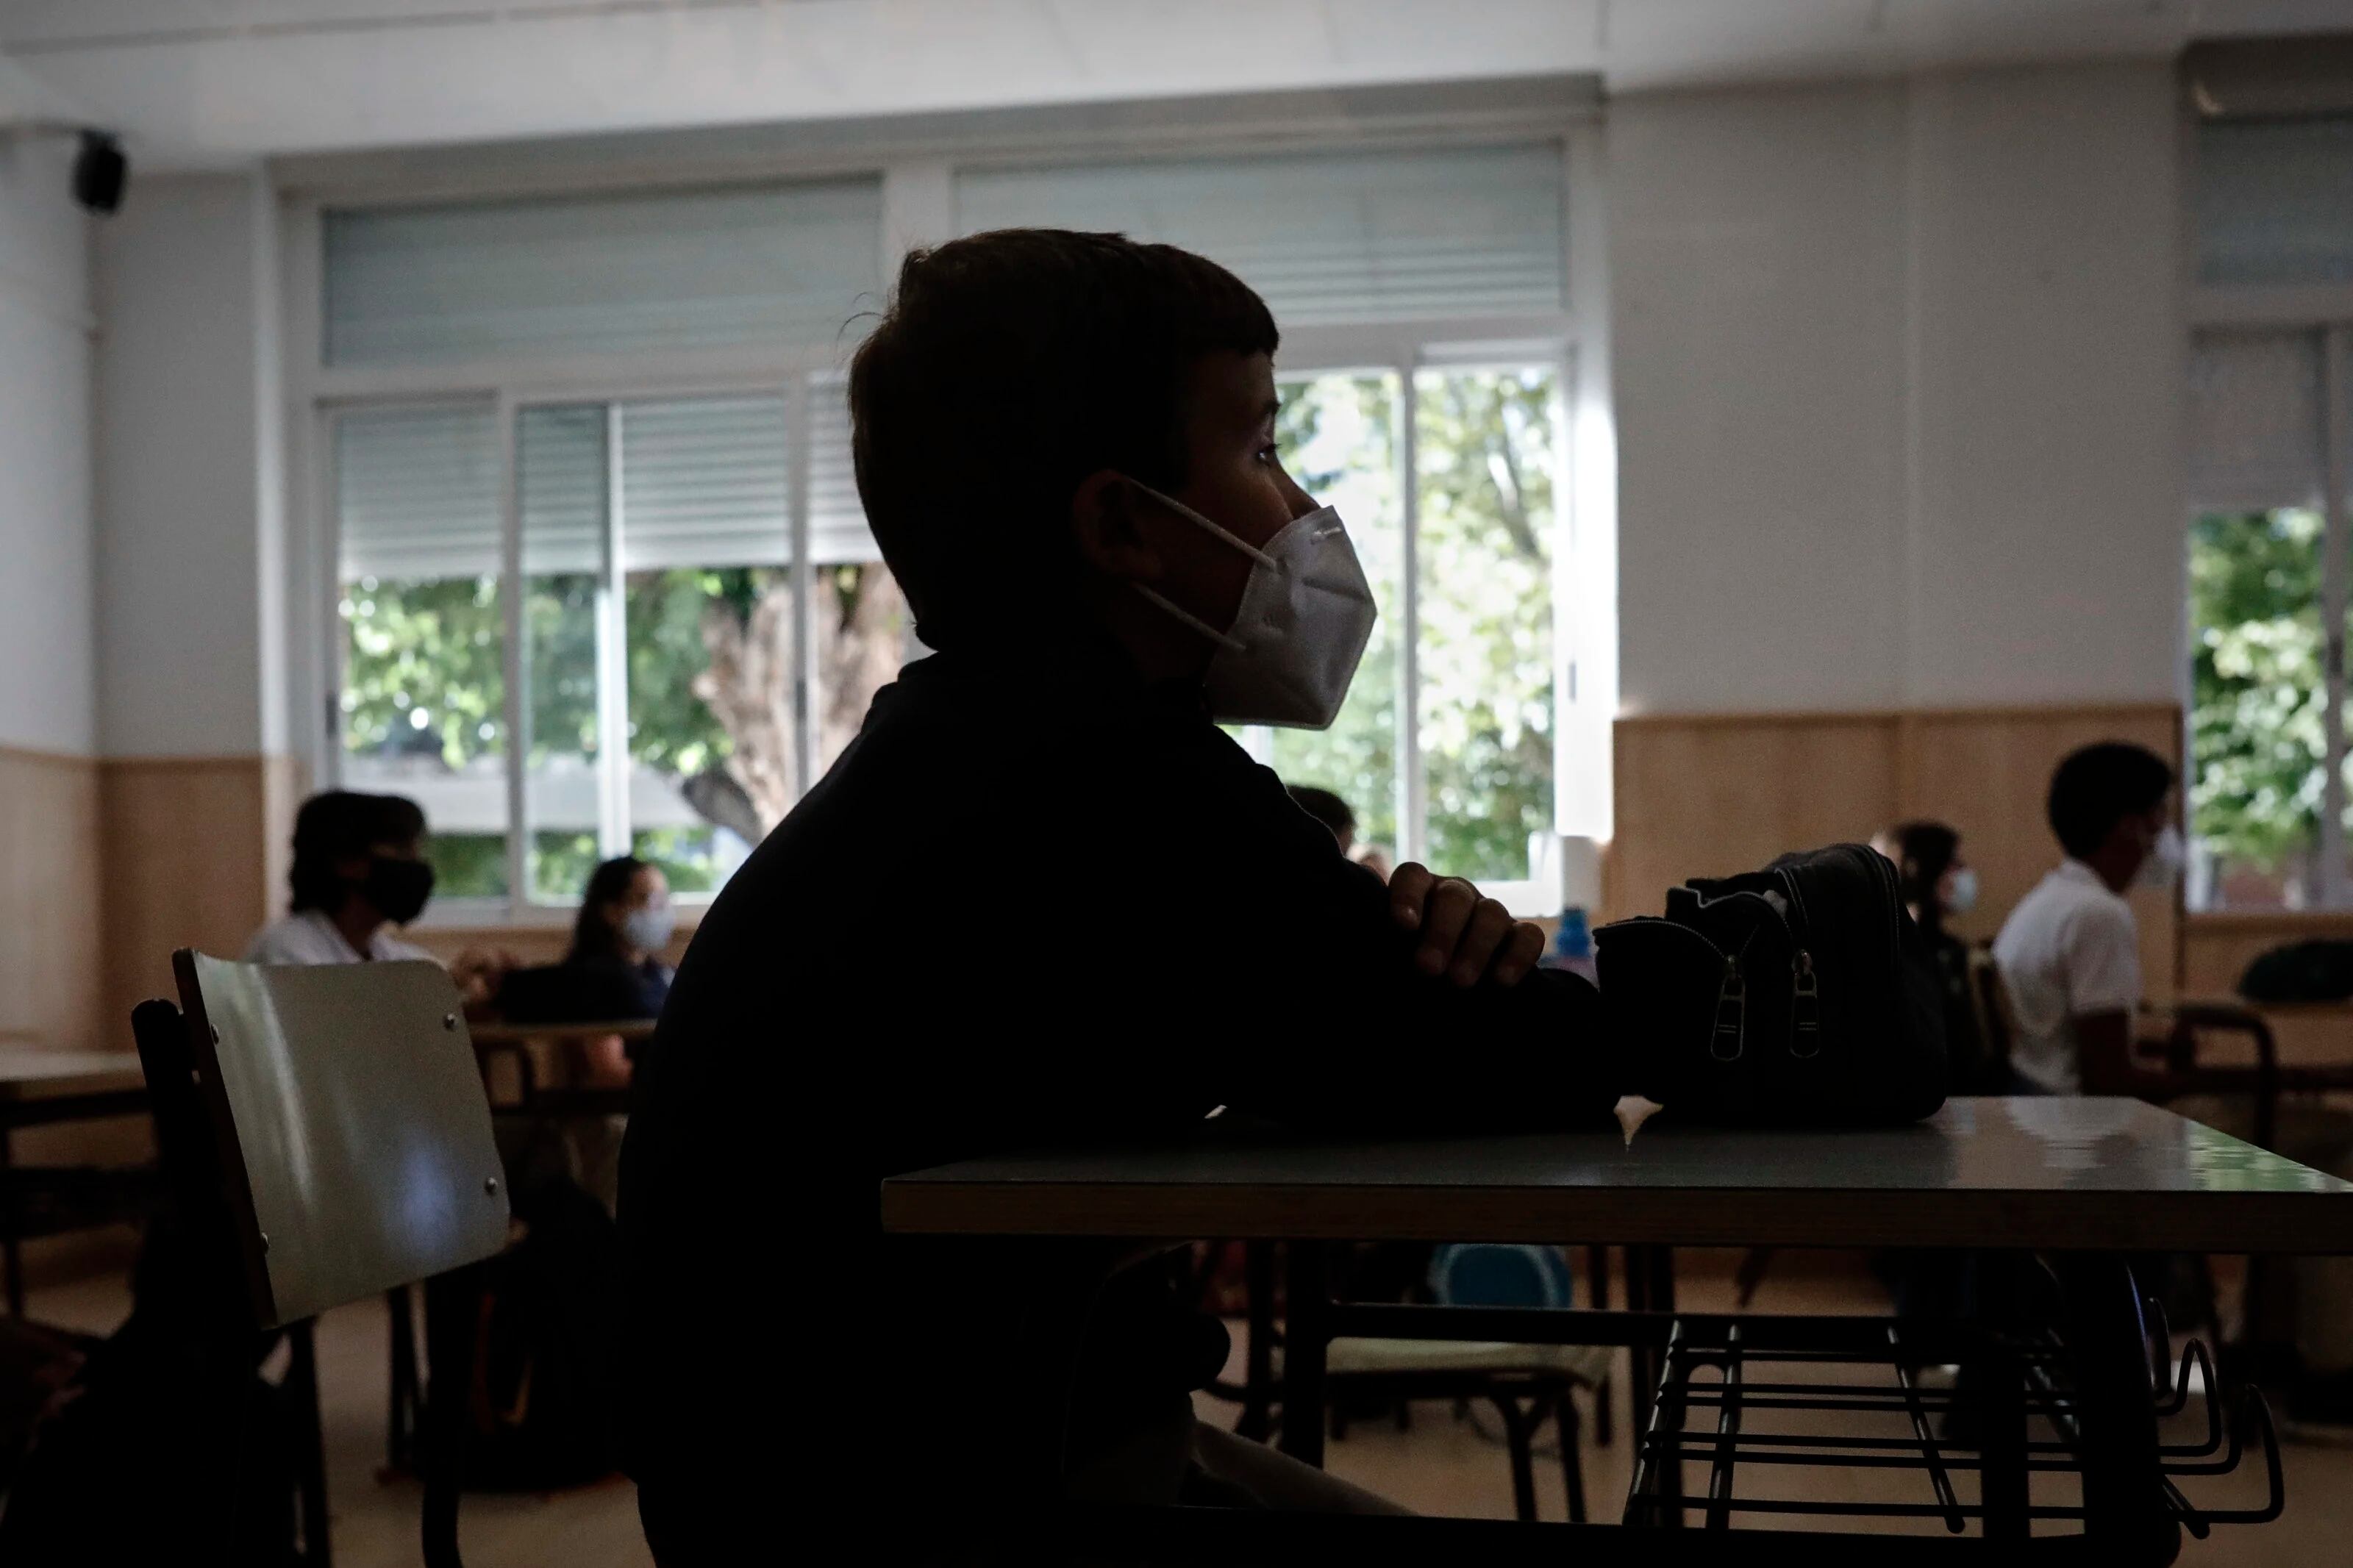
{"points": [[1103, 523]]}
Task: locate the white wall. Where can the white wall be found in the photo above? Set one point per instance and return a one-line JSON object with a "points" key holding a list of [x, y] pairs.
{"points": [[1898, 368], [187, 388], [47, 644]]}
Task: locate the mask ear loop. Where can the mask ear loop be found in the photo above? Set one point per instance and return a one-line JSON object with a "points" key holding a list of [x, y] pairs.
{"points": [[1224, 639]]}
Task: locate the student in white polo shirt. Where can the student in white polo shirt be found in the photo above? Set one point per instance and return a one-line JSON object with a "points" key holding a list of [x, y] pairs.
{"points": [[2070, 953], [359, 871]]}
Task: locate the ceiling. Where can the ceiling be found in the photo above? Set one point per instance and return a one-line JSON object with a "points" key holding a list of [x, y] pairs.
{"points": [[200, 83]]}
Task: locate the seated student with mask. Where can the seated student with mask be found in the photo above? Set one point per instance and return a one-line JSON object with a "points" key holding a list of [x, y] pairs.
{"points": [[2069, 952], [1065, 447], [359, 870], [614, 969]]}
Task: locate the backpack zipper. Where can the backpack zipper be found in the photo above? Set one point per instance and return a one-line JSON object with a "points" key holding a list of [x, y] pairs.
{"points": [[1731, 1004], [1806, 993], [1805, 1007]]}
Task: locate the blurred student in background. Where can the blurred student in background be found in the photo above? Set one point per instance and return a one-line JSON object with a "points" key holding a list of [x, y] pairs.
{"points": [[1334, 814], [2070, 953], [1936, 883], [359, 870], [614, 969]]}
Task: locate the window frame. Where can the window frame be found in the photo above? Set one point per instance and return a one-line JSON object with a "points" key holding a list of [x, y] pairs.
{"points": [[918, 207]]}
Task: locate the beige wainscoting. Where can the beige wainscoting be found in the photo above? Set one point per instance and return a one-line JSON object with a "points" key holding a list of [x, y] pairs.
{"points": [[51, 946], [195, 851], [1710, 795]]}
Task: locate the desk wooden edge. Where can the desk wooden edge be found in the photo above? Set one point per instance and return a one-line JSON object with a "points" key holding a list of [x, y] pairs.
{"points": [[2084, 1221]]}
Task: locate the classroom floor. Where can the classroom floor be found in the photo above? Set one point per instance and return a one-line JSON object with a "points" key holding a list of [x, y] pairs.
{"points": [[1442, 1465]]}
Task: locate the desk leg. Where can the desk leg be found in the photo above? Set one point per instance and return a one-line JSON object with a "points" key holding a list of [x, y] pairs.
{"points": [[2124, 1496], [1306, 1334], [1258, 1376]]}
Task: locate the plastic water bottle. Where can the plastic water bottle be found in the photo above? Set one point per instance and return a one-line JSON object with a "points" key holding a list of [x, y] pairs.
{"points": [[1572, 945]]}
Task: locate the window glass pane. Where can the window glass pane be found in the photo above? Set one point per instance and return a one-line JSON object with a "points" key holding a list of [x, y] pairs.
{"points": [[707, 537], [560, 456], [710, 703], [1485, 453], [423, 695], [1337, 437], [2257, 701], [860, 625]]}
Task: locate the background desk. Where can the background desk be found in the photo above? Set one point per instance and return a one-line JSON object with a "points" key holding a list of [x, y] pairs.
{"points": [[39, 1087]]}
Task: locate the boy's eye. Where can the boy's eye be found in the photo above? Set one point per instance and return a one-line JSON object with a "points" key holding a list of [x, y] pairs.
{"points": [[1269, 455]]}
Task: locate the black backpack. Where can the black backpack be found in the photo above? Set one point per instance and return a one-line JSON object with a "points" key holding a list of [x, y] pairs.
{"points": [[1796, 993], [2317, 971]]}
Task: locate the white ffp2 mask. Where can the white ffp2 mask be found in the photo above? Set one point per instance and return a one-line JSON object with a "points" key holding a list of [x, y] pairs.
{"points": [[1965, 893], [1306, 615], [2165, 860]]}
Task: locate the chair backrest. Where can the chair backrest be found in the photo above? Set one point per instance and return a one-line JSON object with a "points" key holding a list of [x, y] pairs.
{"points": [[1989, 998], [352, 1131]]}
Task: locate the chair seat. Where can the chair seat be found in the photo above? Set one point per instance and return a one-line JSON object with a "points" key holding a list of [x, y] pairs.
{"points": [[1394, 1358]]}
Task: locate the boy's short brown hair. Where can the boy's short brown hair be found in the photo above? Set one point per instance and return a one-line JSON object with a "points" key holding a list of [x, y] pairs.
{"points": [[1008, 367]]}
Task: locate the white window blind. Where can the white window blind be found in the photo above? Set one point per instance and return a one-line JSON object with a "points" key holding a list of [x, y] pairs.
{"points": [[417, 491], [560, 481], [2255, 435], [838, 531], [1323, 237], [704, 481], [2275, 202], [776, 265]]}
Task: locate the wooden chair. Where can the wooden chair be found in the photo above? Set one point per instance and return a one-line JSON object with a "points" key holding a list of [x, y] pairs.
{"points": [[326, 1139]]}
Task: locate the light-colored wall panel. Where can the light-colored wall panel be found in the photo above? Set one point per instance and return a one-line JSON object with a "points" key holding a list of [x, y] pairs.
{"points": [[1711, 795], [189, 846], [50, 932], [1704, 795]]}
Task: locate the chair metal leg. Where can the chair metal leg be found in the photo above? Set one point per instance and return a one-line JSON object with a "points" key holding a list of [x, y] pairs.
{"points": [[1597, 1260], [401, 1398], [1257, 1376], [1572, 1464], [452, 1308], [1519, 1436], [11, 1225], [301, 1387]]}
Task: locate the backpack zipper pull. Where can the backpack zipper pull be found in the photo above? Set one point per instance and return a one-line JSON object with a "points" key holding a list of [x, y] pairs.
{"points": [[1806, 1008], [1730, 1001]]}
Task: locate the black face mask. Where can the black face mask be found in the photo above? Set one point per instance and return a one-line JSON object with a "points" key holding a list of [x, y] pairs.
{"points": [[398, 888]]}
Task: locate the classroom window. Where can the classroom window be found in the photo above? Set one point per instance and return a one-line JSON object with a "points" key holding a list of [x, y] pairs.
{"points": [[2267, 608], [662, 699], [577, 614], [2271, 447], [1448, 758]]}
